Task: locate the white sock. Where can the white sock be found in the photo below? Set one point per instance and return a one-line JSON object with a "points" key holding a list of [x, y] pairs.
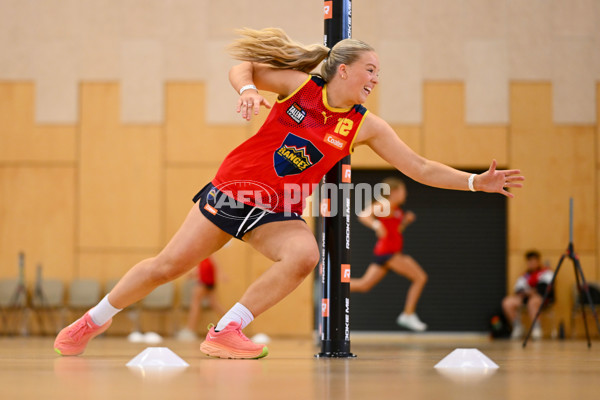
{"points": [[103, 311], [237, 313], [516, 324]]}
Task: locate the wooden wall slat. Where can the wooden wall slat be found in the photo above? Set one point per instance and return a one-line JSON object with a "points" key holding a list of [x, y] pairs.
{"points": [[447, 139], [37, 214], [120, 175], [23, 141]]}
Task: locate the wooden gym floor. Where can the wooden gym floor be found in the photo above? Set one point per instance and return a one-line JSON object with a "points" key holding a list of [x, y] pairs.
{"points": [[387, 367]]}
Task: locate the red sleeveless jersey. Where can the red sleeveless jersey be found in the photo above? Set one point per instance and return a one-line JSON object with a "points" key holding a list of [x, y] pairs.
{"points": [[301, 140], [393, 241]]}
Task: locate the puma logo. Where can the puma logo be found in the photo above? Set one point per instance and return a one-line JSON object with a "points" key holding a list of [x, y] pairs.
{"points": [[325, 117]]}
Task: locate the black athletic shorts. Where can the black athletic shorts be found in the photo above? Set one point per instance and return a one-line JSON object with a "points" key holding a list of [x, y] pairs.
{"points": [[234, 217], [382, 259]]}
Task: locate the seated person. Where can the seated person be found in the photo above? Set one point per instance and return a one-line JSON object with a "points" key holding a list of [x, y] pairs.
{"points": [[529, 291]]}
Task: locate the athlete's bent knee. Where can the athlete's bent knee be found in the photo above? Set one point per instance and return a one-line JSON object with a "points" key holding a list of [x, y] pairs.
{"points": [[164, 271], [304, 258]]}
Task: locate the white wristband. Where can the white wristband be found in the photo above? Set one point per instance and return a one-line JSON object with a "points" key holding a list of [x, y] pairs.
{"points": [[376, 225], [246, 87], [471, 178]]}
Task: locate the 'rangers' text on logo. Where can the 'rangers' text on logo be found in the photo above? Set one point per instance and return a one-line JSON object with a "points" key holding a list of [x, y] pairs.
{"points": [[295, 155]]}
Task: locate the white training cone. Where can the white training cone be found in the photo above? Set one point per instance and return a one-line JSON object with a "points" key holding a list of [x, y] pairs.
{"points": [[135, 337], [261, 338], [157, 357], [152, 338], [466, 366], [466, 359]]}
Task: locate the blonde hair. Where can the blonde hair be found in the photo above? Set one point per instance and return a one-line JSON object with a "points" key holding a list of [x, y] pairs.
{"points": [[272, 46], [393, 183]]}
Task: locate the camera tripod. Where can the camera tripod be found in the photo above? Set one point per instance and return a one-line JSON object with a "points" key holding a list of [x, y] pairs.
{"points": [[582, 286], [17, 301]]}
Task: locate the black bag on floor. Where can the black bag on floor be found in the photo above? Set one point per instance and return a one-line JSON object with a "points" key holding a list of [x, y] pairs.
{"points": [[499, 326]]}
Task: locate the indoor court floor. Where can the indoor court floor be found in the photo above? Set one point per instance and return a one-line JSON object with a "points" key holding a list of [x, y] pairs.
{"points": [[387, 367]]}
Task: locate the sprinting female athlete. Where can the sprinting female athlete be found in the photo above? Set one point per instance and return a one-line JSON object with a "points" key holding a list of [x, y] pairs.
{"points": [[388, 253]]}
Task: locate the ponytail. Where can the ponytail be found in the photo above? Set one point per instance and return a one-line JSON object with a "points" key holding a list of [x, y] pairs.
{"points": [[273, 47]]}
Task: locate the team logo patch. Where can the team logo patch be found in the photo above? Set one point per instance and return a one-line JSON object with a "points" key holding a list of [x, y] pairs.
{"points": [[296, 113], [295, 155], [334, 141], [212, 193]]}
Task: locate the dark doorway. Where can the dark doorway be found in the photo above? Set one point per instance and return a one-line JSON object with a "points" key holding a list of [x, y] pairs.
{"points": [[459, 238]]}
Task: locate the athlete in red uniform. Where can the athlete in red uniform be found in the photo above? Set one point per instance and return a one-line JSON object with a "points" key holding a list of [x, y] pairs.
{"points": [[315, 123], [302, 138], [388, 253]]}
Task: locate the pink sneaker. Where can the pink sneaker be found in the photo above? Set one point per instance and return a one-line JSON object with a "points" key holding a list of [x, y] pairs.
{"points": [[231, 343], [71, 341]]}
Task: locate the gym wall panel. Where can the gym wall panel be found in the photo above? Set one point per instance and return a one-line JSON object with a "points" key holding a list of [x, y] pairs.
{"points": [[448, 140], [55, 72], [483, 143], [529, 36], [364, 157], [181, 184], [401, 82], [120, 175], [485, 19], [220, 109], [189, 138], [444, 112], [486, 82], [185, 121], [443, 40], [558, 163], [225, 17], [21, 140], [575, 166], [142, 88], [309, 30], [219, 140], [575, 18], [363, 27], [407, 22], [186, 33], [575, 73], [37, 210]]}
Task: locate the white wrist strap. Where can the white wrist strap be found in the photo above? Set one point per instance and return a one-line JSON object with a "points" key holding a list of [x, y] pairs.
{"points": [[471, 178], [246, 87]]}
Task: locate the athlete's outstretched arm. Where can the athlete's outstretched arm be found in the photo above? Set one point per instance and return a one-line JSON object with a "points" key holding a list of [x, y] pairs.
{"points": [[379, 135], [280, 81]]}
